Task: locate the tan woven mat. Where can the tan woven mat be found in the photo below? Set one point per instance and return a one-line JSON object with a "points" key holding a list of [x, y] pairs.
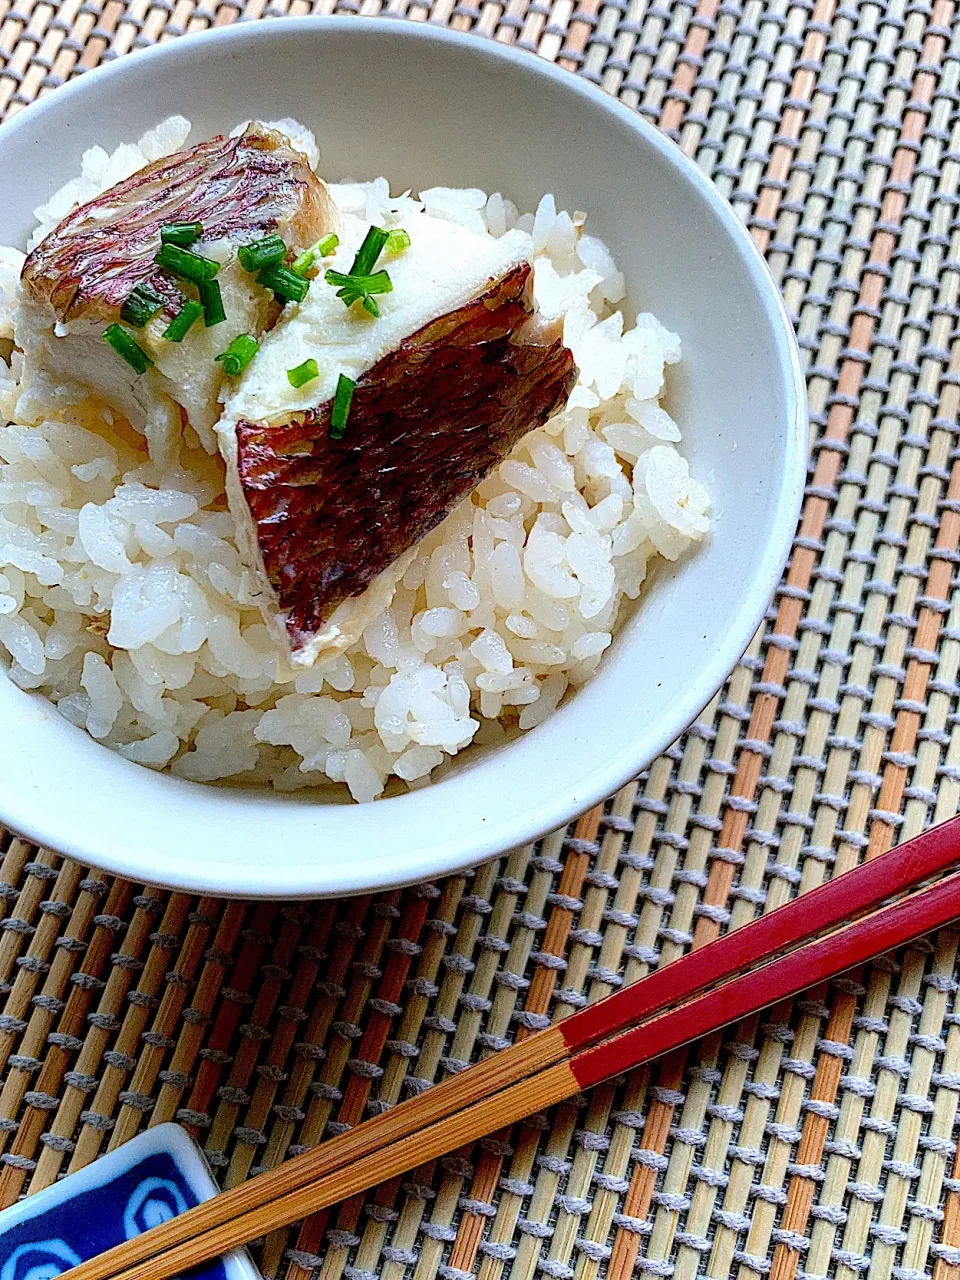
{"points": [[819, 1141]]}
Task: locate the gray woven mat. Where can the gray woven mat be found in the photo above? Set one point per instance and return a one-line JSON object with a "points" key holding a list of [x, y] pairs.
{"points": [[818, 1141]]}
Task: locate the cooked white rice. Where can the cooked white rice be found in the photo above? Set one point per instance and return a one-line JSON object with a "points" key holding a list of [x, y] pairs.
{"points": [[124, 600]]}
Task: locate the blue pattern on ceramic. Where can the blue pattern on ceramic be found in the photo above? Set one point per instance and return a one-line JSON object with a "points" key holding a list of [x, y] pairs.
{"points": [[154, 1201], [150, 1192], [149, 1180], [41, 1260]]}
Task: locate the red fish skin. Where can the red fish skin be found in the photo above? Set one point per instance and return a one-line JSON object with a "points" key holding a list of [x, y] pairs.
{"points": [[428, 422], [239, 188]]}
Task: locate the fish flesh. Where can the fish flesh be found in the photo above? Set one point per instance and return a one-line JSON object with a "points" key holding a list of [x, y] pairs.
{"points": [[456, 367], [426, 424], [75, 282], [330, 524]]}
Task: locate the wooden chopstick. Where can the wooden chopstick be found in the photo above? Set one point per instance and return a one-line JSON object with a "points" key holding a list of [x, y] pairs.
{"points": [[839, 925], [845, 947]]}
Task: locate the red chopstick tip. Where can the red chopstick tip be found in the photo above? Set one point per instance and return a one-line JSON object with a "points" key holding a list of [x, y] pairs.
{"points": [[847, 946]]}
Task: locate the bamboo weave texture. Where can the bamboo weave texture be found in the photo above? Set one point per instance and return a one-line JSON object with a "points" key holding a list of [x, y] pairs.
{"points": [[818, 1141]]}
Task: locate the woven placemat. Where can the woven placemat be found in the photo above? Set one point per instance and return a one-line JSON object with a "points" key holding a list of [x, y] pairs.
{"points": [[817, 1141]]}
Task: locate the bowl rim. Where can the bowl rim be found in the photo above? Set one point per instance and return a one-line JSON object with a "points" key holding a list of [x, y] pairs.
{"points": [[43, 824]]}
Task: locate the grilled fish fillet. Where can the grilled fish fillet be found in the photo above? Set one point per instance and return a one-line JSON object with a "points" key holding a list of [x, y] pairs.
{"points": [[76, 280], [451, 376]]}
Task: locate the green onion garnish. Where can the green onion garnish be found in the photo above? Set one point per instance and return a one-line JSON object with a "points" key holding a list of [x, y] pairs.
{"points": [[322, 249], [354, 288], [188, 266], [180, 325], [141, 305], [398, 240], [182, 233], [239, 354], [124, 345], [341, 407], [286, 284], [360, 283], [212, 301], [303, 373], [261, 253], [369, 251]]}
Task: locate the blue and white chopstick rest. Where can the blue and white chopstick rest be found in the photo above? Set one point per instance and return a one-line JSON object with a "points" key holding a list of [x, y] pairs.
{"points": [[153, 1177]]}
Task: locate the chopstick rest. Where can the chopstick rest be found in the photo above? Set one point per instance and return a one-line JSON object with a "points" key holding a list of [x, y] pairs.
{"points": [[150, 1179]]}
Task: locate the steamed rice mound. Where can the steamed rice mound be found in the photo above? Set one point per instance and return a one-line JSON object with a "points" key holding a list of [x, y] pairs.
{"points": [[123, 597]]}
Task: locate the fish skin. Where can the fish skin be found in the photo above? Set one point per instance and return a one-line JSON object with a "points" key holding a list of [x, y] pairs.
{"points": [[239, 188], [426, 424], [76, 280]]}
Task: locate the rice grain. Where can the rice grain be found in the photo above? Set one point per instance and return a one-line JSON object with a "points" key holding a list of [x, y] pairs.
{"points": [[124, 598]]}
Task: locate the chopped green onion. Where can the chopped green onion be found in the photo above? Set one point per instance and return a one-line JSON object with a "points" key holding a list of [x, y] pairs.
{"points": [[341, 407], [303, 373], [239, 354], [286, 284], [398, 240], [141, 305], [180, 325], [380, 282], [355, 288], [322, 249], [366, 300], [124, 345], [369, 251], [182, 233], [360, 283], [212, 300], [261, 253], [186, 265]]}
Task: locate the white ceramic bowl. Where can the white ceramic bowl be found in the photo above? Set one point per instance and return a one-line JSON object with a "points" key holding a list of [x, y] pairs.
{"points": [[425, 107]]}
